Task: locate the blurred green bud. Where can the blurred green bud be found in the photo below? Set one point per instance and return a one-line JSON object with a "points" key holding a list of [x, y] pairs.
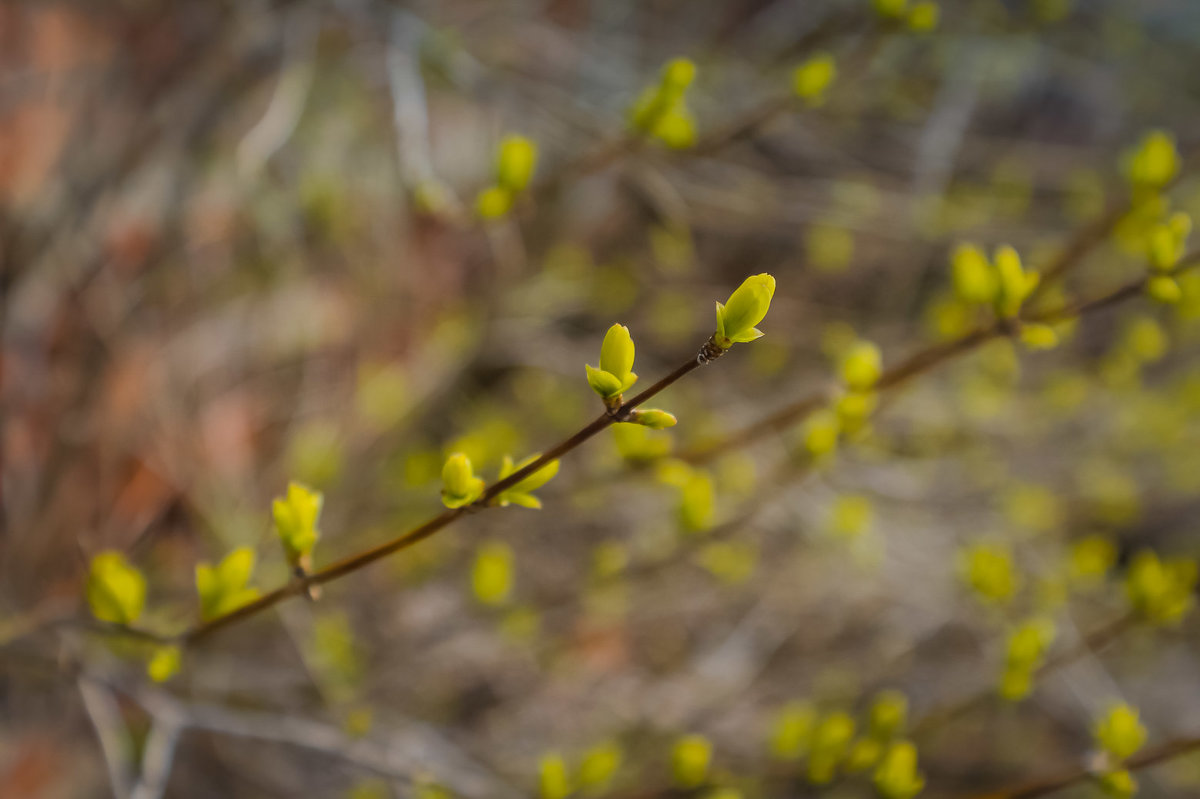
{"points": [[1119, 784], [494, 202], [854, 409], [897, 776], [1164, 289], [746, 307], [222, 589], [690, 759], [1025, 653], [661, 111], [1160, 591], [731, 562], [678, 74], [1038, 337], [889, 714], [1166, 242], [791, 732], [492, 574], [164, 663], [1015, 284], [1119, 733], [821, 433], [1153, 163], [653, 418], [614, 375], [598, 767], [812, 79], [460, 486], [296, 515], [697, 502], [989, 571], [863, 755], [116, 590], [974, 279], [923, 17], [522, 493], [890, 9], [1091, 560], [852, 515], [861, 366], [516, 161], [553, 780], [830, 742]]}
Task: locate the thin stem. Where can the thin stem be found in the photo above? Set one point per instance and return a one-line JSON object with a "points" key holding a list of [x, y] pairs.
{"points": [[353, 563]]}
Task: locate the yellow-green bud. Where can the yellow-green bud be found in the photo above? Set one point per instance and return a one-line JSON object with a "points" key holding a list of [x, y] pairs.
{"points": [[1119, 784], [746, 307], [599, 766], [811, 79], [923, 17], [830, 742], [164, 664], [889, 714], [897, 776], [223, 588], [553, 780], [614, 376], [1160, 590], [516, 161], [1154, 162], [521, 493], [1164, 289], [891, 9], [493, 202], [791, 734], [974, 279], [653, 418], [1039, 337], [690, 760], [861, 366], [492, 574], [1119, 733], [1015, 284], [460, 486], [296, 515], [116, 590]]}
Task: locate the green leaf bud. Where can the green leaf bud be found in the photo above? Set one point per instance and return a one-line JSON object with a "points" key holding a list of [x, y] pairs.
{"points": [[897, 776], [690, 759], [1038, 337], [494, 202], [1015, 284], [614, 375], [864, 754], [812, 79], [296, 515], [830, 742], [1160, 591], [553, 780], [1118, 784], [653, 418], [492, 574], [598, 767], [460, 486], [223, 589], [1164, 289], [697, 502], [746, 307], [516, 160], [889, 714], [923, 17], [164, 663], [521, 493], [791, 733], [1120, 733], [890, 9], [861, 366], [974, 279], [821, 433], [989, 571], [678, 74], [1153, 163], [116, 590]]}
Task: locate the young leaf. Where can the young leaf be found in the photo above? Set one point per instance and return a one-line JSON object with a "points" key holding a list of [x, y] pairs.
{"points": [[116, 590], [460, 486], [296, 516], [615, 375], [746, 307], [222, 589], [520, 494]]}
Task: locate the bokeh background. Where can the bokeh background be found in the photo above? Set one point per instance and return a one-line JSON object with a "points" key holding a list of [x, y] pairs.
{"points": [[239, 248]]}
